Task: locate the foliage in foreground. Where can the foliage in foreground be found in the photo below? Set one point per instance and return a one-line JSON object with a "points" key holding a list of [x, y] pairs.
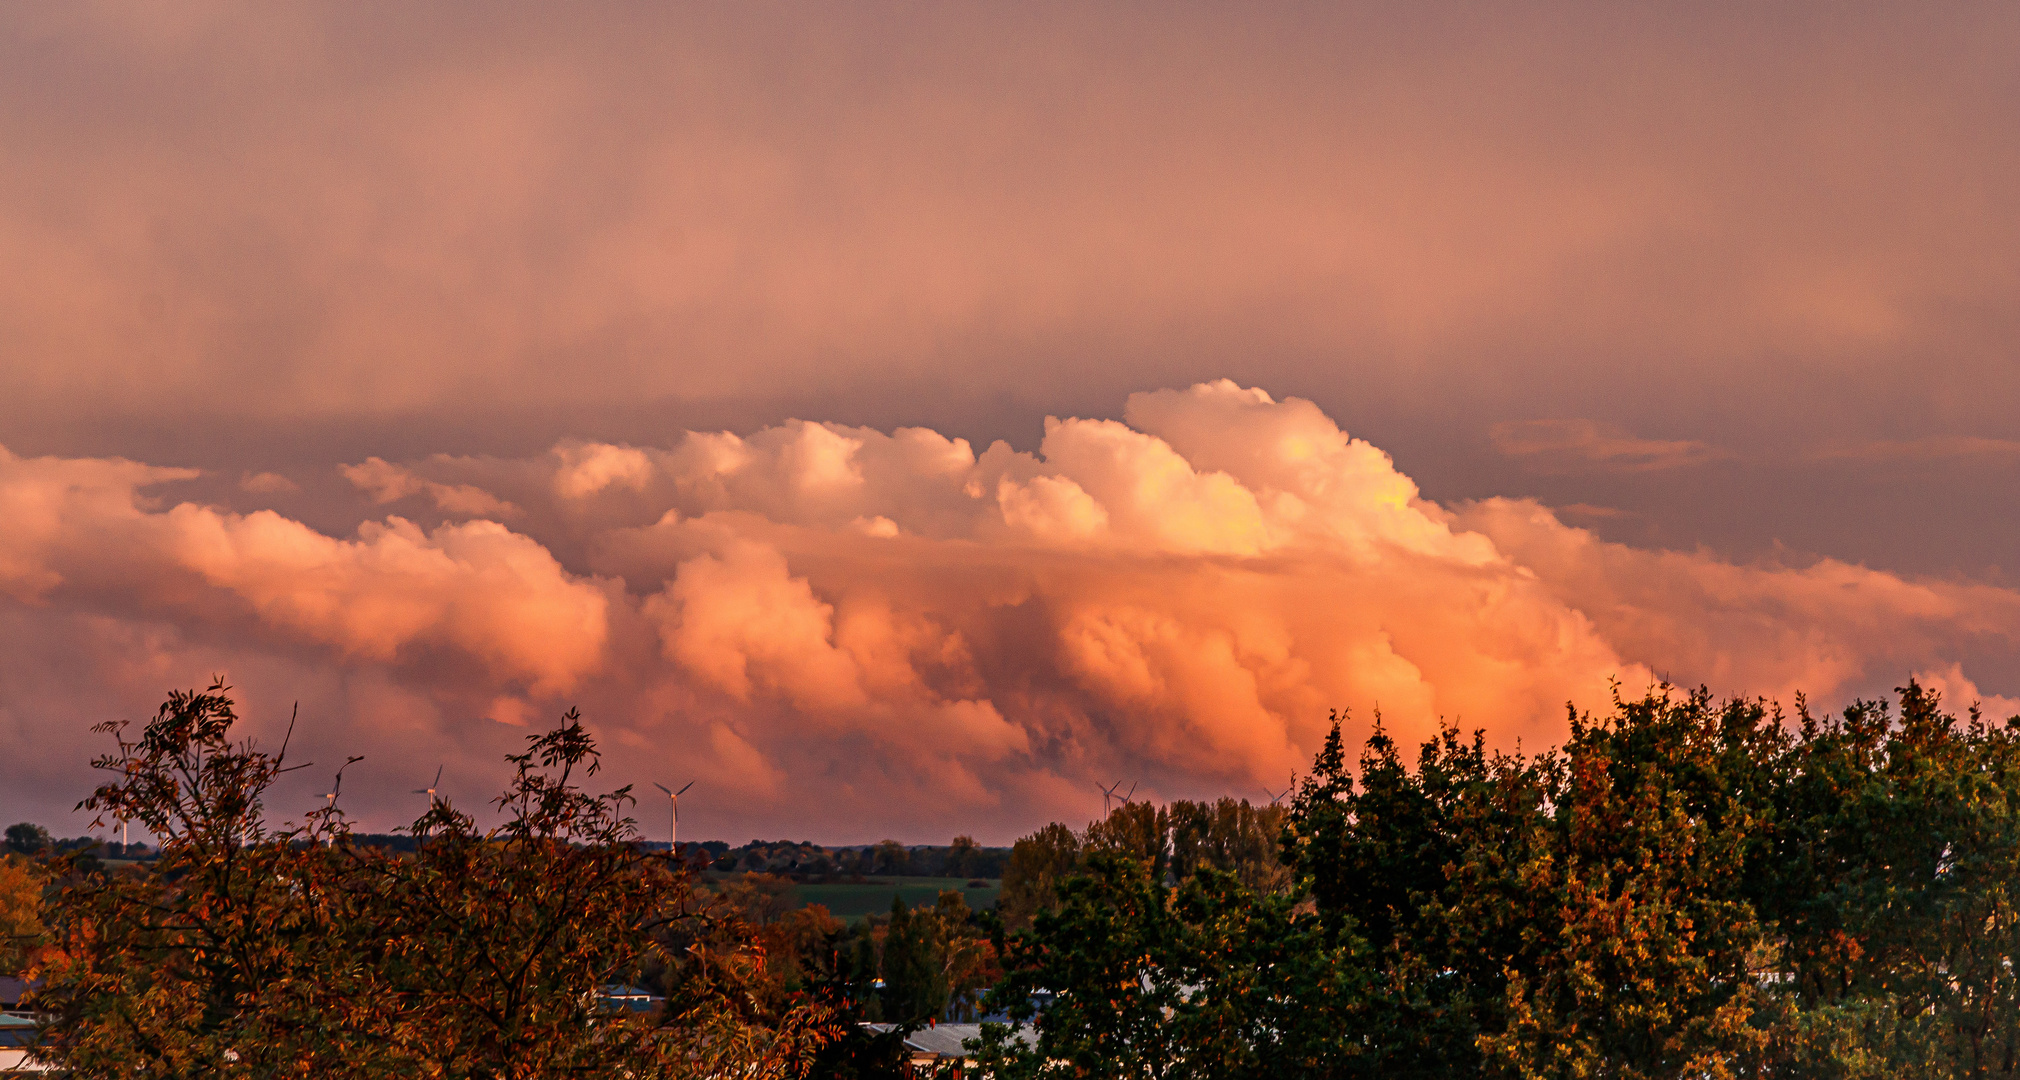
{"points": [[252, 950], [1683, 890]]}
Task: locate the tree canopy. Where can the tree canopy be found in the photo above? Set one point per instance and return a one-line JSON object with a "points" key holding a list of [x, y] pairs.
{"points": [[1686, 888]]}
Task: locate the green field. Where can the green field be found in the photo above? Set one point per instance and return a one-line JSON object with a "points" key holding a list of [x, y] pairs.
{"points": [[852, 902]]}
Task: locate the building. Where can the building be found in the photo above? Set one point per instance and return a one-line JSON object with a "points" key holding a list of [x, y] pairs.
{"points": [[937, 1051], [17, 1034], [619, 997]]}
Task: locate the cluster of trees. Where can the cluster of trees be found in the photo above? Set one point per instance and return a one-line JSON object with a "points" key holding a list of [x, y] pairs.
{"points": [[964, 858], [247, 948], [1171, 842], [1684, 889], [906, 967], [31, 841]]}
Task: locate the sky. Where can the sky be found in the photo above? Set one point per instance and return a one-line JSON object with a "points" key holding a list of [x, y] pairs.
{"points": [[900, 418]]}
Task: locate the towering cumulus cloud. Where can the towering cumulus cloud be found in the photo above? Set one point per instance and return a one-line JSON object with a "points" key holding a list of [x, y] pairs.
{"points": [[885, 628]]}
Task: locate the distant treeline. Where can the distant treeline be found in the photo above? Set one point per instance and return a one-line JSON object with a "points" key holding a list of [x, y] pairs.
{"points": [[28, 838], [963, 858]]}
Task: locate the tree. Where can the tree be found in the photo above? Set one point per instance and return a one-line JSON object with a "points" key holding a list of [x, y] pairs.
{"points": [[1683, 889], [915, 983], [1139, 831], [892, 858], [1232, 836], [1038, 863], [1897, 851], [252, 950], [1206, 980], [1651, 945], [25, 838], [1101, 952], [964, 857], [21, 929]]}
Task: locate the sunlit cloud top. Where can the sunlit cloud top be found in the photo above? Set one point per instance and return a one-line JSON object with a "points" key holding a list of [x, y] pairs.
{"points": [[884, 628]]}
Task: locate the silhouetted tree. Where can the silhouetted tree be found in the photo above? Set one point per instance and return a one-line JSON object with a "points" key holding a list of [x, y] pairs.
{"points": [[25, 838]]}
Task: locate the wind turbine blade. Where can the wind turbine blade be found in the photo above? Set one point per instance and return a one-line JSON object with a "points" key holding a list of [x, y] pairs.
{"points": [[683, 789], [1132, 790], [438, 778], [662, 787]]}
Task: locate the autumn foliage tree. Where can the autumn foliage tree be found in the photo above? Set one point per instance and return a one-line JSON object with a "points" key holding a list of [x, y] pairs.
{"points": [[21, 929], [249, 949], [1684, 889]]}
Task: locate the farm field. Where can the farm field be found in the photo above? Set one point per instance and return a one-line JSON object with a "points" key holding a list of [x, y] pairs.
{"points": [[850, 902]]}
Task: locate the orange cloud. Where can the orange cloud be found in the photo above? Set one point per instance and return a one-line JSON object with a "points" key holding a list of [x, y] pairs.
{"points": [[84, 528], [387, 483], [1564, 444], [892, 627]]}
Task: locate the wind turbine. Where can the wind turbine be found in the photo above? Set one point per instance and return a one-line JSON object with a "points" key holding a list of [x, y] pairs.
{"points": [[673, 797], [330, 796], [1276, 797], [1108, 796], [433, 787]]}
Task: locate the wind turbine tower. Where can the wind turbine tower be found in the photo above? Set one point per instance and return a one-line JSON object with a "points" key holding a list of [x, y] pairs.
{"points": [[673, 799], [432, 788]]}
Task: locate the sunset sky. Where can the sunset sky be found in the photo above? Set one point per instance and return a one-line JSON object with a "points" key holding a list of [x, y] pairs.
{"points": [[899, 418]]}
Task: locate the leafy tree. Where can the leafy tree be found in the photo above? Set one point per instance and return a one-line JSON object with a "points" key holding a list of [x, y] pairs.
{"points": [[21, 929], [915, 983], [1207, 980], [1139, 831], [251, 950], [1650, 945], [892, 858], [1038, 863], [962, 951], [25, 838], [1232, 836], [1683, 889], [1100, 952], [1898, 846], [964, 857]]}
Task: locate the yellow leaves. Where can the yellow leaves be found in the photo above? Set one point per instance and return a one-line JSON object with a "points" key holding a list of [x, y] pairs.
{"points": [[21, 930]]}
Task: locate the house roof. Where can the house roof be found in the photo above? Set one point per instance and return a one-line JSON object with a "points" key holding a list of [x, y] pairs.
{"points": [[946, 1039], [17, 1031]]}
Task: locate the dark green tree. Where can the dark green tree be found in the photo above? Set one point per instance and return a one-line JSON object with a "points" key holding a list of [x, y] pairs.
{"points": [[1038, 863], [26, 838], [915, 984]]}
